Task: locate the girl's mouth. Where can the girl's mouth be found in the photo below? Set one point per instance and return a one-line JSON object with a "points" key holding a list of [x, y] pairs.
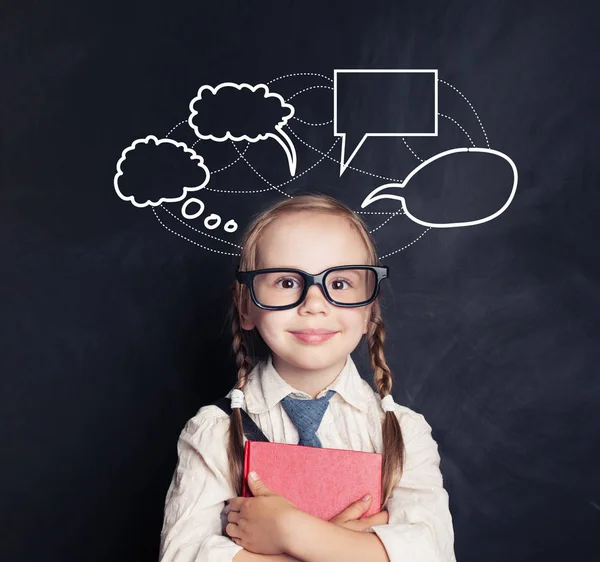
{"points": [[314, 336]]}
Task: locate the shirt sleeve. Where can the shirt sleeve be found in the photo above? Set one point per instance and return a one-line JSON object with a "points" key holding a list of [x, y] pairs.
{"points": [[420, 524], [194, 517]]}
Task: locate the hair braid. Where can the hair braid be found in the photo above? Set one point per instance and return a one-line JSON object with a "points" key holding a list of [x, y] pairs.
{"points": [[393, 443], [236, 431]]}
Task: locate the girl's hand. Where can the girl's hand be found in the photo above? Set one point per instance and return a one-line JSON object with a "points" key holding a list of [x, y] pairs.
{"points": [[350, 517], [259, 524]]}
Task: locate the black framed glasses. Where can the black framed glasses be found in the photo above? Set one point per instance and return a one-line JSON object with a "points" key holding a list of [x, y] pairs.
{"points": [[284, 288]]}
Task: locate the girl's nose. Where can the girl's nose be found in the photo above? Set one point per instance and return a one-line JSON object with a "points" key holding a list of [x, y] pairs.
{"points": [[315, 299]]}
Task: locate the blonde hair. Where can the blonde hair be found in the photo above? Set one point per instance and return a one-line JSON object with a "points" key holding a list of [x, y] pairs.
{"points": [[393, 444]]}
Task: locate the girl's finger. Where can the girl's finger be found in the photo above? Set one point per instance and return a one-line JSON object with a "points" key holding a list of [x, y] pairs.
{"points": [[380, 518], [232, 530], [235, 504], [234, 516]]}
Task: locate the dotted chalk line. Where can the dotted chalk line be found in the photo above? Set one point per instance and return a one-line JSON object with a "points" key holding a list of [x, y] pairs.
{"points": [[410, 244], [337, 161], [395, 213], [313, 124], [231, 163], [412, 151], [306, 90], [459, 126], [259, 175], [299, 74], [190, 241], [375, 212], [470, 105], [281, 184], [196, 230], [175, 127]]}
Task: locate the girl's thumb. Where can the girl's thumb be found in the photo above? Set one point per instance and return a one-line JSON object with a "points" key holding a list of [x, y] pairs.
{"points": [[366, 501], [354, 510], [358, 508]]}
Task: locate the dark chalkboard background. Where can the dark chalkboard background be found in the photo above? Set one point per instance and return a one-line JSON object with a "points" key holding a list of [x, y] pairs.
{"points": [[115, 329]]}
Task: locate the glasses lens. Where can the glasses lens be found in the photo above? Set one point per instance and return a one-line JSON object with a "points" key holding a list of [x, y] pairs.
{"points": [[351, 286], [278, 288]]}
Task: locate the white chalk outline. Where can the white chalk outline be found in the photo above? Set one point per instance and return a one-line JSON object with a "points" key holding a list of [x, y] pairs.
{"points": [[326, 155], [231, 228], [372, 197], [188, 239], [188, 225], [195, 215], [283, 139], [434, 71], [146, 140], [212, 217]]}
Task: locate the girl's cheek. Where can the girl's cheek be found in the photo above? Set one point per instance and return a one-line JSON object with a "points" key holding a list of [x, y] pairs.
{"points": [[354, 319], [272, 323]]}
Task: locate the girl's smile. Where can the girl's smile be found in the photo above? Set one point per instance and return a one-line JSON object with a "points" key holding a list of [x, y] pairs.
{"points": [[313, 336]]}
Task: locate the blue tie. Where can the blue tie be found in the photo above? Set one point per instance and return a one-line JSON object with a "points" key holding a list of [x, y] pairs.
{"points": [[307, 416]]}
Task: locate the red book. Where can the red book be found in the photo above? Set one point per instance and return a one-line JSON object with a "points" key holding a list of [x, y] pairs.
{"points": [[319, 481]]}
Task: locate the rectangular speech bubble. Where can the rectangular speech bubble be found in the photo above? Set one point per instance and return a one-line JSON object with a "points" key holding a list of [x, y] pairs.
{"points": [[362, 102]]}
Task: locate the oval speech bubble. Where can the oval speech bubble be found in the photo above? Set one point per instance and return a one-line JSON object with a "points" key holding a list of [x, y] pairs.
{"points": [[386, 191]]}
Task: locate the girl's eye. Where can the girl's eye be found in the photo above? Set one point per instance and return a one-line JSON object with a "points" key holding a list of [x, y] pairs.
{"points": [[338, 284], [287, 283]]}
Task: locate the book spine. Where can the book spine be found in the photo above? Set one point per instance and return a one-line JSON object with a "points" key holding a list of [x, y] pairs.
{"points": [[245, 490], [380, 483]]}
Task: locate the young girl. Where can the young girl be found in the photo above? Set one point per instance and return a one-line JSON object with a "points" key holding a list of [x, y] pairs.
{"points": [[310, 325]]}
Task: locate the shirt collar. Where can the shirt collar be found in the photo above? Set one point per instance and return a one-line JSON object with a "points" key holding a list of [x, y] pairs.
{"points": [[265, 387]]}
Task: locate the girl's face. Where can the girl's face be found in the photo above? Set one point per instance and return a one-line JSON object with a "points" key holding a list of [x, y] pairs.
{"points": [[312, 242]]}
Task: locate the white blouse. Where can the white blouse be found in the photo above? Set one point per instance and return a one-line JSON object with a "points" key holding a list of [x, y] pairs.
{"points": [[420, 525]]}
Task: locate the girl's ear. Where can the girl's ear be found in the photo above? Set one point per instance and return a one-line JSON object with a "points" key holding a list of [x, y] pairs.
{"points": [[245, 320]]}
